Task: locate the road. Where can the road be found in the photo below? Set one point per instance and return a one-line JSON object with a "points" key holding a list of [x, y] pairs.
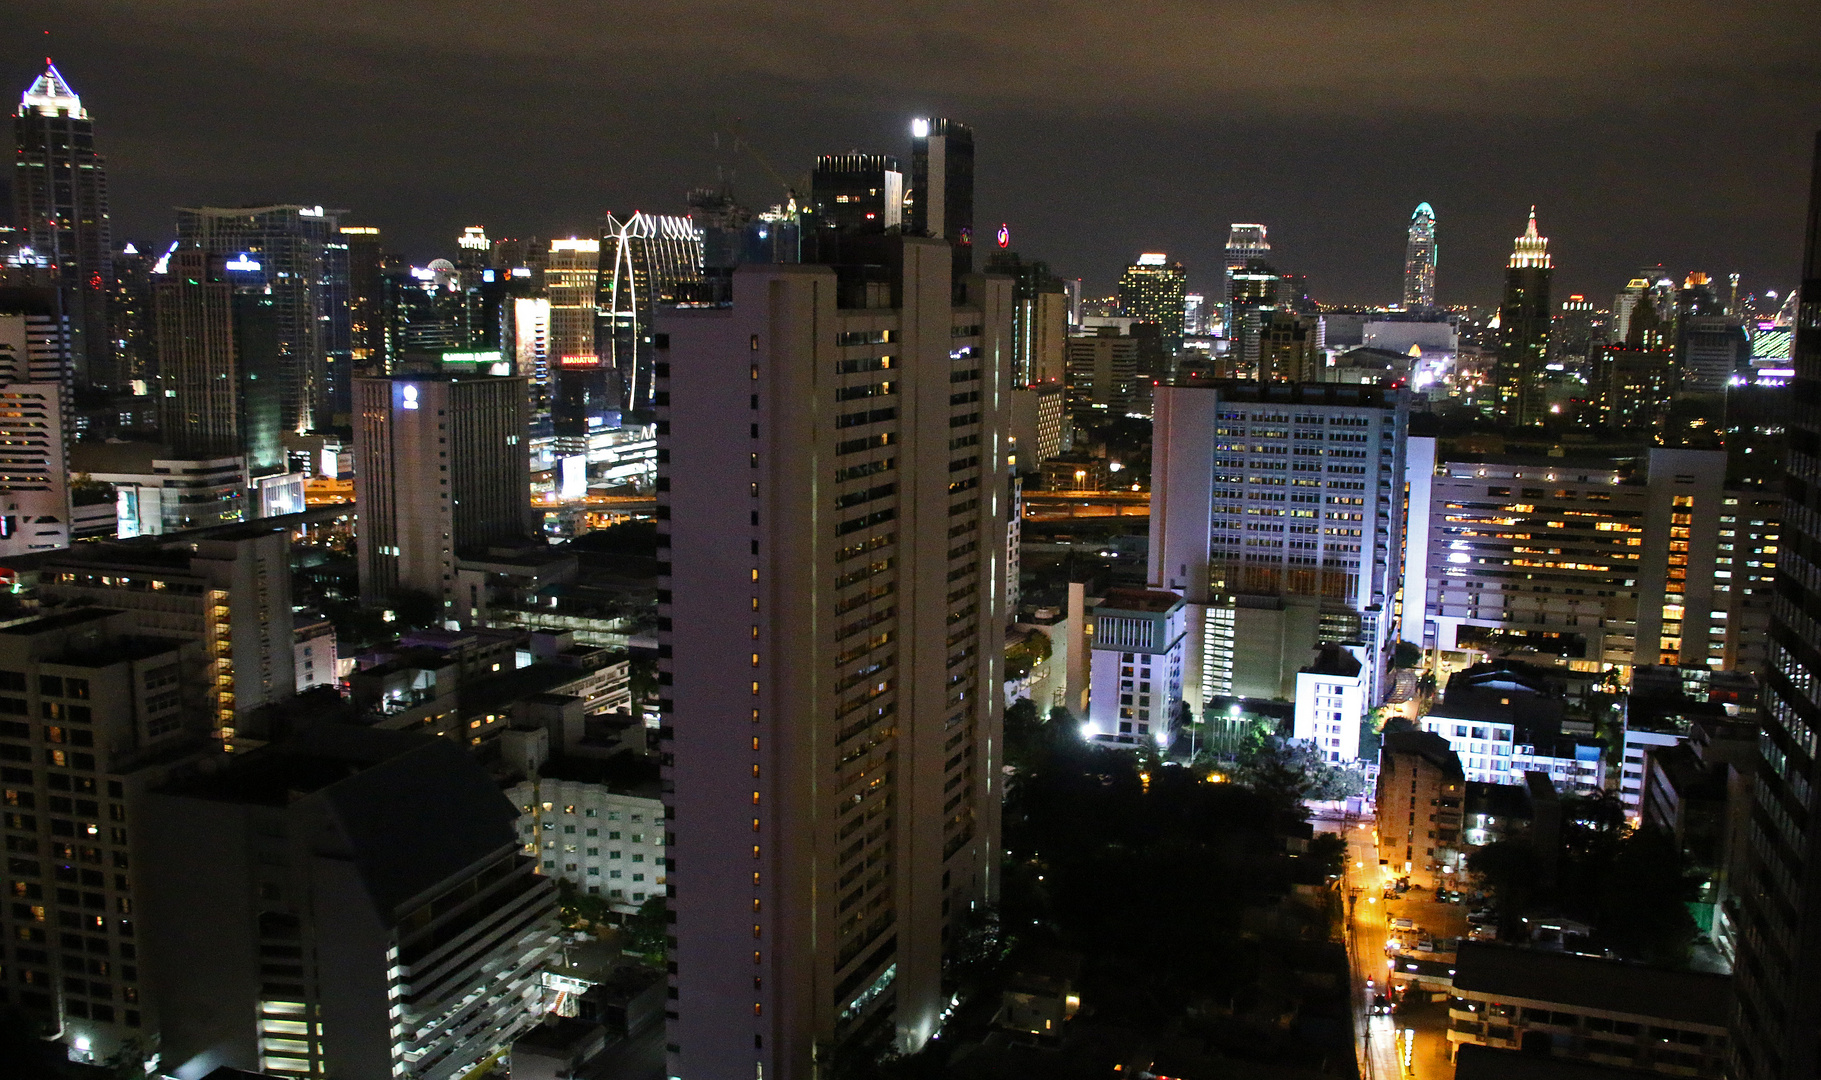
{"points": [[1417, 1033]]}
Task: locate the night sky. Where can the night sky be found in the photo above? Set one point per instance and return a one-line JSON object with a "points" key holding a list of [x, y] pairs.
{"points": [[1675, 132]]}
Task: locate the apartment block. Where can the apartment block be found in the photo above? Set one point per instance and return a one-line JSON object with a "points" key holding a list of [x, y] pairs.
{"points": [[93, 715], [1135, 674], [832, 528]]}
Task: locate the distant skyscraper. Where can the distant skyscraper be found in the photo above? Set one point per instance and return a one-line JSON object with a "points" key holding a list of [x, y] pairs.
{"points": [[833, 731], [1524, 317], [1244, 244], [570, 281], [1152, 289], [130, 317], [942, 187], [61, 209], [442, 465], [366, 303], [858, 192], [221, 369], [1779, 971], [291, 245], [643, 260], [1419, 259]]}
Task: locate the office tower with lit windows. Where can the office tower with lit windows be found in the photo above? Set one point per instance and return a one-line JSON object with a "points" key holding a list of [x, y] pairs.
{"points": [[1778, 973], [367, 265], [1605, 562], [1419, 260], [1246, 243], [98, 715], [942, 187], [221, 369], [442, 465], [1571, 335], [1152, 290], [832, 535], [60, 206], [1524, 317], [859, 193], [345, 903], [1277, 511], [296, 254], [645, 259], [579, 382]]}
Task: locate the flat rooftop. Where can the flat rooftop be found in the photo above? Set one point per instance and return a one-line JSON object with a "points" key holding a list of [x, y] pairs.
{"points": [[1691, 997]]}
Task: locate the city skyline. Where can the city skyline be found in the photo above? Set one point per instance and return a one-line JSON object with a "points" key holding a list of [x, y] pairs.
{"points": [[1327, 168]]}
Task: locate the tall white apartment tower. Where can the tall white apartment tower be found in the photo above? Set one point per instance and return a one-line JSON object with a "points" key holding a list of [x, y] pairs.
{"points": [[832, 544], [1277, 511]]}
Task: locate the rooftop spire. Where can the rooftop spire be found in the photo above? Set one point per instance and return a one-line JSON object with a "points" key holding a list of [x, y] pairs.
{"points": [[51, 95], [1532, 248]]}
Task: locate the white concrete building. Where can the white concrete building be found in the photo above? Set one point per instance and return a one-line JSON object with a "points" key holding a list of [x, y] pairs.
{"points": [[605, 839], [1135, 674], [1331, 703]]}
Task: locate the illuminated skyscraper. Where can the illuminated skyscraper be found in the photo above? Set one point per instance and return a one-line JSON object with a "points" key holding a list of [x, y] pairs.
{"points": [[60, 207], [366, 299], [858, 192], [1152, 289], [570, 281], [1419, 259], [220, 372], [1778, 974], [643, 260], [130, 317], [1524, 318]]}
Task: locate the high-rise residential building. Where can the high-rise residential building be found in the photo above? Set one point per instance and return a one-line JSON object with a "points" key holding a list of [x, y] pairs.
{"points": [[97, 715], [442, 464], [1419, 259], [1152, 290], [1604, 562], [579, 382], [347, 902], [644, 260], [34, 398], [942, 187], [296, 255], [832, 520], [228, 589], [131, 329], [532, 359], [1778, 974], [1524, 317], [60, 206], [221, 371], [1135, 674], [1277, 511]]}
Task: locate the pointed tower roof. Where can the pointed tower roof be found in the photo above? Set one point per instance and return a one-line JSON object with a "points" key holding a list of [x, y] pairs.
{"points": [[1532, 248], [50, 95]]}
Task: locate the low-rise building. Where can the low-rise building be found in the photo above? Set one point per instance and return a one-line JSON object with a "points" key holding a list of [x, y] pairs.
{"points": [[1331, 695], [1591, 1010], [1504, 719], [1135, 677], [1420, 797], [313, 656], [598, 824]]}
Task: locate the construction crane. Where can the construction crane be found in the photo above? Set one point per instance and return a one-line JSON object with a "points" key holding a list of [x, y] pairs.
{"points": [[736, 131]]}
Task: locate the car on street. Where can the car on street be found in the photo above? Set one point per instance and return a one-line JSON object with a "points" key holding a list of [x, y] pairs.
{"points": [[1381, 1005]]}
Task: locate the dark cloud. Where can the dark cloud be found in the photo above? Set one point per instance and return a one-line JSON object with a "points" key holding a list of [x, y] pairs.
{"points": [[1674, 132]]}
